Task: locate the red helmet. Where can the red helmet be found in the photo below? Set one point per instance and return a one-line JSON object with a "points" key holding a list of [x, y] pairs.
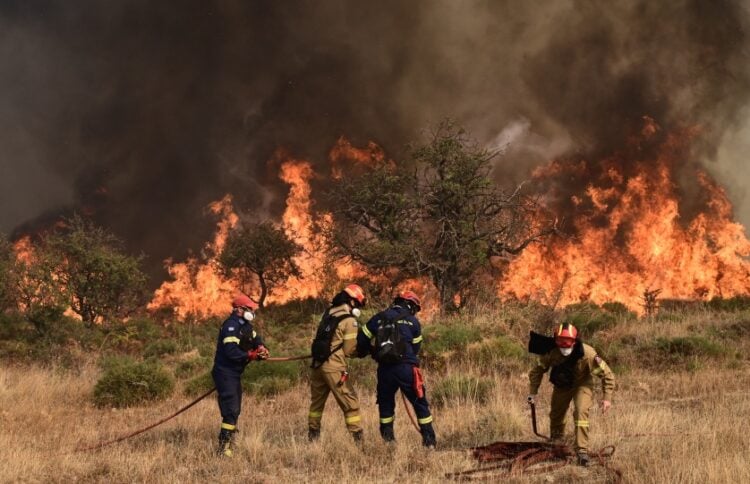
{"points": [[565, 335], [412, 298], [242, 301], [356, 293]]}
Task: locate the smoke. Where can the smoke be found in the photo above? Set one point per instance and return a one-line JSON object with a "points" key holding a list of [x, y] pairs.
{"points": [[140, 113]]}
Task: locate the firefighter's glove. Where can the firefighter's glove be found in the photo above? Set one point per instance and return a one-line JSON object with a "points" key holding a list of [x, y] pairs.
{"points": [[531, 399], [259, 353]]}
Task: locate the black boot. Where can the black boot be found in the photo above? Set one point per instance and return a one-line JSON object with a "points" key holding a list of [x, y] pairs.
{"points": [[226, 439], [313, 434], [386, 431], [357, 436], [583, 458], [428, 436]]}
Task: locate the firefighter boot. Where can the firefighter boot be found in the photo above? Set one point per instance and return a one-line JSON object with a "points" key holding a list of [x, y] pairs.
{"points": [[386, 431], [583, 458], [226, 439], [313, 434], [357, 436], [428, 435]]}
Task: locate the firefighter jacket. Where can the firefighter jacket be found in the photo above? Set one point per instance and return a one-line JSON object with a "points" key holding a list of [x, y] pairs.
{"points": [[236, 338], [409, 329], [585, 367], [344, 338]]}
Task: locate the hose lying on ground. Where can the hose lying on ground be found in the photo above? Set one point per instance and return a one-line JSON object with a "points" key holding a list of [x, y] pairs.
{"points": [[170, 417]]}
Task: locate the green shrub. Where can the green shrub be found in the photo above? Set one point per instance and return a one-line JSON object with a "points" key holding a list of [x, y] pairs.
{"points": [[256, 373], [126, 382], [266, 387], [733, 304], [686, 346], [440, 338], [199, 385], [146, 329], [461, 389], [188, 368], [588, 318], [493, 351], [160, 347], [619, 309]]}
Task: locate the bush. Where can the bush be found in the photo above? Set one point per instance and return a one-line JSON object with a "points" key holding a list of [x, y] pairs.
{"points": [[126, 382], [449, 337], [733, 304], [588, 318], [192, 366], [146, 329], [199, 385], [263, 379], [492, 352], [160, 347], [687, 346], [461, 389]]}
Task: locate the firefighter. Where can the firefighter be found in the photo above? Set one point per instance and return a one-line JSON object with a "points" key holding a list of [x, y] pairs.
{"points": [[236, 346], [574, 366], [335, 341], [393, 338]]}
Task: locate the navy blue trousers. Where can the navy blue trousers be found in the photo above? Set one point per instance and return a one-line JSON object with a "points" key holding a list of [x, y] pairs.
{"points": [[392, 378], [229, 388]]}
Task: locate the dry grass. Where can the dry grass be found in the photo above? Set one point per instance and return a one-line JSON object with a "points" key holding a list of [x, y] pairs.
{"points": [[668, 426]]}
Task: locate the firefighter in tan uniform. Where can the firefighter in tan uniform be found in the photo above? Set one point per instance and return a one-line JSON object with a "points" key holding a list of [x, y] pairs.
{"points": [[574, 366], [336, 340]]}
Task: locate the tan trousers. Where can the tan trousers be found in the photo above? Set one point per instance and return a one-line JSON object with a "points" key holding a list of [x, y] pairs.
{"points": [[321, 384], [582, 397]]}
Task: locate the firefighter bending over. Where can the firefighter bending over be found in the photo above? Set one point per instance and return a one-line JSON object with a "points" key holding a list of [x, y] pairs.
{"points": [[336, 340], [393, 338], [574, 364], [237, 345]]}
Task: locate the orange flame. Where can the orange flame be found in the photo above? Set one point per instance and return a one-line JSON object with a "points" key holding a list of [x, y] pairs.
{"points": [[24, 250], [197, 288], [631, 237]]}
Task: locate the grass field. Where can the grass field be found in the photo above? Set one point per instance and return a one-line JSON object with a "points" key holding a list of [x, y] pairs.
{"points": [[680, 415]]}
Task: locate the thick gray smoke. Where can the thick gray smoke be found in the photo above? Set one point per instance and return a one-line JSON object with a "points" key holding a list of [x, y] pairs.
{"points": [[141, 112]]}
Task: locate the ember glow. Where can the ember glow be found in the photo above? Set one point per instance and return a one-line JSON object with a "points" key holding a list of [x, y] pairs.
{"points": [[630, 237]]}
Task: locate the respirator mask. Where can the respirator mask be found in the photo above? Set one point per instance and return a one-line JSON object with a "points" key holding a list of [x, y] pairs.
{"points": [[248, 315], [356, 312], [566, 351]]}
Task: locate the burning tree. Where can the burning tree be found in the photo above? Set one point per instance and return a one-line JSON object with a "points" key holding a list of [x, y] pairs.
{"points": [[261, 251], [100, 279], [445, 219], [8, 274]]}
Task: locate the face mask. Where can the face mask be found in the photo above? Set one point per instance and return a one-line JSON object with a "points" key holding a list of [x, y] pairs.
{"points": [[248, 315], [356, 312], [566, 351]]}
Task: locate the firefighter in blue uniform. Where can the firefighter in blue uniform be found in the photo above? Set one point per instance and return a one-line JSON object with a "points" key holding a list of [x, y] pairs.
{"points": [[237, 345], [403, 373]]}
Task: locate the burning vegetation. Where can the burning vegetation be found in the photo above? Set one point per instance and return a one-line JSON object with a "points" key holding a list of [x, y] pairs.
{"points": [[630, 233]]}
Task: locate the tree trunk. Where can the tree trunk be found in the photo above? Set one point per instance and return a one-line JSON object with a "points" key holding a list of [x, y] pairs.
{"points": [[263, 290]]}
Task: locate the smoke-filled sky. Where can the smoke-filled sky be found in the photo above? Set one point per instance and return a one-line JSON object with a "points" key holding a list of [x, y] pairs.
{"points": [[140, 112]]}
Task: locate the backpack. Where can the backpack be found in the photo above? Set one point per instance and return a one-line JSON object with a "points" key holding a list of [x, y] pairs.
{"points": [[389, 344], [321, 345]]}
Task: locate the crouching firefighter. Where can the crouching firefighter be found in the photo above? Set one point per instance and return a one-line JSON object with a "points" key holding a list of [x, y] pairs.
{"points": [[336, 340], [573, 368], [393, 338], [237, 345]]}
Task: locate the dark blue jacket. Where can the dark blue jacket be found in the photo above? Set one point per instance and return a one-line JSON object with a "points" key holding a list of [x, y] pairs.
{"points": [[409, 329], [236, 338]]}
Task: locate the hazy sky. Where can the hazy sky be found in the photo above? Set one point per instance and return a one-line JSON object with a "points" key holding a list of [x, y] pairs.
{"points": [[140, 112]]}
